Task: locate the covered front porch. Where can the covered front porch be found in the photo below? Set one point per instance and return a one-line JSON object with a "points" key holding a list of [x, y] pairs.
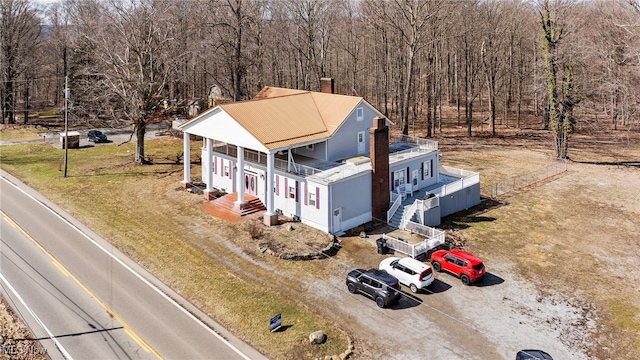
{"points": [[235, 170]]}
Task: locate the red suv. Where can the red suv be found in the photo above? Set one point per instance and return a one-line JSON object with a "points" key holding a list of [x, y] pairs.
{"points": [[462, 264]]}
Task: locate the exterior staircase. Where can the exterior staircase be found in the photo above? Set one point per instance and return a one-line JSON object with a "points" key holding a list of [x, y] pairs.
{"points": [[405, 205], [224, 207], [397, 217]]}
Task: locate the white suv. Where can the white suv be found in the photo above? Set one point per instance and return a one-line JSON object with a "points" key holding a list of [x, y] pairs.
{"points": [[409, 271]]}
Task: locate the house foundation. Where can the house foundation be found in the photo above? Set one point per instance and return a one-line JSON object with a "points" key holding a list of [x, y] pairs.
{"points": [[210, 195], [270, 219], [240, 205]]}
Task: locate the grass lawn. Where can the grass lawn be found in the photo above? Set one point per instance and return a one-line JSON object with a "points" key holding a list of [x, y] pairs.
{"points": [[21, 133], [576, 236], [144, 212]]}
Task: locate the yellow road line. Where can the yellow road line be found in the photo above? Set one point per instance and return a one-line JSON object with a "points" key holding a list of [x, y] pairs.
{"points": [[66, 272], [62, 268]]}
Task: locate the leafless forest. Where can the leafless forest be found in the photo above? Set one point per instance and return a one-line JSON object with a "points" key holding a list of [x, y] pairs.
{"points": [[473, 63]]}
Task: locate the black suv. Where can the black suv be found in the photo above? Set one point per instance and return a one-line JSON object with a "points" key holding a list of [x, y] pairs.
{"points": [[533, 355], [375, 284], [96, 136]]}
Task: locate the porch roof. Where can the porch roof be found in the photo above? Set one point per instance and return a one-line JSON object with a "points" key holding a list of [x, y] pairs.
{"points": [[276, 119]]}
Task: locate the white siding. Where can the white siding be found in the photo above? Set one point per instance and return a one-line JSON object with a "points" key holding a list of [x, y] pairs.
{"points": [[218, 125]]}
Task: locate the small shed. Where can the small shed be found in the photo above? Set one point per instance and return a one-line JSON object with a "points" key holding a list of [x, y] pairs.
{"points": [[73, 141]]}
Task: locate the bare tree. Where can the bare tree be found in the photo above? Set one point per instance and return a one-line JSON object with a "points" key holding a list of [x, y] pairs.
{"points": [[411, 20], [468, 48], [130, 45], [19, 37], [311, 35], [560, 111], [492, 52]]}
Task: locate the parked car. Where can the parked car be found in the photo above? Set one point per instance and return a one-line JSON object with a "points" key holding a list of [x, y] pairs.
{"points": [[409, 271], [460, 263], [375, 284], [533, 355], [96, 136]]}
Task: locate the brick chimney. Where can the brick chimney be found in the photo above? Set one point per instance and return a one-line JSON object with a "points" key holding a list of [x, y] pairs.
{"points": [[379, 155], [326, 85]]}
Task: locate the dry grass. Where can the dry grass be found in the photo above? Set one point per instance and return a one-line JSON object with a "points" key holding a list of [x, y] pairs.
{"points": [[145, 213], [18, 132], [16, 343], [576, 235]]}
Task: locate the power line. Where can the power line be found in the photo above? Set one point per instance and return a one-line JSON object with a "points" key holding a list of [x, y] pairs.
{"points": [[32, 80]]}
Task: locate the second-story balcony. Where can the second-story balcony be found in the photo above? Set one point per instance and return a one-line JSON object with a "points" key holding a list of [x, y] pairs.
{"points": [[401, 147]]}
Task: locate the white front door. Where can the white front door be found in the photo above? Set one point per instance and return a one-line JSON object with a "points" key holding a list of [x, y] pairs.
{"points": [[337, 220], [361, 146]]}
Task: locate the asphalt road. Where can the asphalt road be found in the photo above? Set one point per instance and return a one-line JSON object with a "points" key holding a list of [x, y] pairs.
{"points": [[87, 300], [66, 319]]}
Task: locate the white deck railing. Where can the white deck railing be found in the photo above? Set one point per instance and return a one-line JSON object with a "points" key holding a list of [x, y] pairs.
{"points": [[467, 178], [396, 201], [433, 239]]}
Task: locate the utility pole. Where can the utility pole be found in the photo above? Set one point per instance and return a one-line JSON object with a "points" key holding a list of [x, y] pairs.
{"points": [[66, 123]]}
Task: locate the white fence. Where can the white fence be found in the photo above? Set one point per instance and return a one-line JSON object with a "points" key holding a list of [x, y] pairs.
{"points": [[433, 239], [519, 182]]}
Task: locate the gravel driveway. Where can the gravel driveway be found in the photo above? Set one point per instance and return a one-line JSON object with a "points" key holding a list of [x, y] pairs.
{"points": [[491, 320]]}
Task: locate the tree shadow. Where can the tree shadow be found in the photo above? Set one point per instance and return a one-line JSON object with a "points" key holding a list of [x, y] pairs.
{"points": [[615, 163], [462, 219]]}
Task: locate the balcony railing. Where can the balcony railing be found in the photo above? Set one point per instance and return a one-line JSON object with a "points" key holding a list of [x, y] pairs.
{"points": [[333, 172]]}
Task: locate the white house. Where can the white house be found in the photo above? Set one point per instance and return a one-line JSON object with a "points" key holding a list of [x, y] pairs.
{"points": [[323, 158]]}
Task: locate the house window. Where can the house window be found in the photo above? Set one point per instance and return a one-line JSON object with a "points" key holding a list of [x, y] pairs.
{"points": [[426, 169], [292, 192], [312, 199], [359, 114], [414, 178], [310, 147], [398, 178], [226, 170]]}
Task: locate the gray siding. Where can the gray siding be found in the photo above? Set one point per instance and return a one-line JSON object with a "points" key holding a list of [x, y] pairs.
{"points": [[416, 164], [319, 151], [343, 144], [353, 196], [460, 200]]}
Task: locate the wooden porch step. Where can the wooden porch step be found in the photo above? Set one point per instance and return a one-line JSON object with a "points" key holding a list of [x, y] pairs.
{"points": [[224, 207], [252, 206]]}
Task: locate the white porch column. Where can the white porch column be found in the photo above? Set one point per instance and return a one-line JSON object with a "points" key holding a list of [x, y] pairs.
{"points": [[270, 218], [186, 148], [239, 204], [208, 192]]}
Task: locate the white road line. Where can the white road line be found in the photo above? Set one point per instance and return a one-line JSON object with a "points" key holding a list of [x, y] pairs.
{"points": [[172, 301], [51, 336]]}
